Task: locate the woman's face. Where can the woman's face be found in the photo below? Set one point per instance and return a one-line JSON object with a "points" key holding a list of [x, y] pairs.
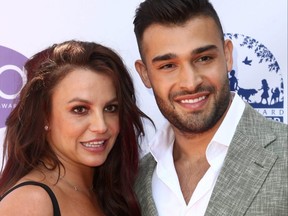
{"points": [[84, 121]]}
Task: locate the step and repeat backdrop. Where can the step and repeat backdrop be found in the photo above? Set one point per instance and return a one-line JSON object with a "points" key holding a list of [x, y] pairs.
{"points": [[257, 28]]}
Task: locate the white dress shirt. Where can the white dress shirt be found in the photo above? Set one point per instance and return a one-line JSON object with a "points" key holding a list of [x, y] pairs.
{"points": [[166, 189]]}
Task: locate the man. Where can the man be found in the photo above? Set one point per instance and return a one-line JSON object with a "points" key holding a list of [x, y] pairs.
{"points": [[216, 155]]}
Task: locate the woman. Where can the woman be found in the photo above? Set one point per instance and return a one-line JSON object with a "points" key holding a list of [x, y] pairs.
{"points": [[72, 138]]}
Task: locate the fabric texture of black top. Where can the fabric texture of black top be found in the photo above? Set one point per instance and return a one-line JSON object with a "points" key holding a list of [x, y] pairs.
{"points": [[56, 209]]}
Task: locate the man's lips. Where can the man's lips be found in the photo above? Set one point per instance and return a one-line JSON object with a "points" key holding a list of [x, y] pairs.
{"points": [[192, 101], [191, 98]]}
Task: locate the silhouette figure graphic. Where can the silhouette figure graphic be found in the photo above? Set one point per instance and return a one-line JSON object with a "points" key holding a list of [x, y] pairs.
{"points": [[275, 95], [265, 94], [233, 81]]}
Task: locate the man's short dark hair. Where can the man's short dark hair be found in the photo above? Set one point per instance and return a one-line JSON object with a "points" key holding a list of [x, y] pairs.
{"points": [[171, 12]]}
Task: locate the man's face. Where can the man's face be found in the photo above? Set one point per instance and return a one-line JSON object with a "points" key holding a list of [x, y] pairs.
{"points": [[186, 66]]}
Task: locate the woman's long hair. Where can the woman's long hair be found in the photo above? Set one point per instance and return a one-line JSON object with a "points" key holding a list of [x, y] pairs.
{"points": [[25, 143]]}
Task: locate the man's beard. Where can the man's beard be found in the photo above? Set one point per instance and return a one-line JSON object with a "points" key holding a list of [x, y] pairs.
{"points": [[198, 121]]}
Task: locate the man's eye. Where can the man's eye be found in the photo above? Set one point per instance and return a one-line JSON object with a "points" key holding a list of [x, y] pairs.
{"points": [[80, 109], [204, 59], [111, 108], [167, 66]]}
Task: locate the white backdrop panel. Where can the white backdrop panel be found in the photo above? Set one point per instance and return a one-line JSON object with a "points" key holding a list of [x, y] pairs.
{"points": [[31, 25]]}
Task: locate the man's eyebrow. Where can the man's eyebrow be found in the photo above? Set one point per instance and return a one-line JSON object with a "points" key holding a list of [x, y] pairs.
{"points": [[204, 48], [169, 56], [164, 57]]}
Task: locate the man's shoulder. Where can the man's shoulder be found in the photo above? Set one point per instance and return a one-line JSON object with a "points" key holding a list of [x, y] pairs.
{"points": [[147, 162], [143, 185], [271, 134], [144, 177], [252, 119], [146, 168]]}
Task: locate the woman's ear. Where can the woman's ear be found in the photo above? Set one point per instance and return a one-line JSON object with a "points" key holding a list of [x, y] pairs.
{"points": [[142, 71]]}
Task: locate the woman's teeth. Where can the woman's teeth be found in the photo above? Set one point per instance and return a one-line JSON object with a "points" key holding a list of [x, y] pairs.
{"points": [[93, 144]]}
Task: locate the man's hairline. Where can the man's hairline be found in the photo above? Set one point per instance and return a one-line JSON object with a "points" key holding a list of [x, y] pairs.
{"points": [[140, 40]]}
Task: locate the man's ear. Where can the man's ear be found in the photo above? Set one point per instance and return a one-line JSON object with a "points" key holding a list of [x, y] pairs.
{"points": [[228, 49], [142, 71]]}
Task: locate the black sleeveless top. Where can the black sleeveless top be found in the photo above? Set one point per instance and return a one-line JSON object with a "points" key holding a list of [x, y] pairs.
{"points": [[56, 209]]}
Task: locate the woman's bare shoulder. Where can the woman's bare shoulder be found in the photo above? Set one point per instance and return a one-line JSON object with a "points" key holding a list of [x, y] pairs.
{"points": [[26, 200]]}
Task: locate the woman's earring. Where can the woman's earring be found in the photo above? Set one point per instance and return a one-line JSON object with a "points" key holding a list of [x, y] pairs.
{"points": [[46, 127]]}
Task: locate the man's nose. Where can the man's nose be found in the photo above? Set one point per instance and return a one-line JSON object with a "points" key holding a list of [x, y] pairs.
{"points": [[189, 78]]}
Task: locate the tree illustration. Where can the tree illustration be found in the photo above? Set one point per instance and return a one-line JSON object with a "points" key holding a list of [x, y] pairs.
{"points": [[260, 50]]}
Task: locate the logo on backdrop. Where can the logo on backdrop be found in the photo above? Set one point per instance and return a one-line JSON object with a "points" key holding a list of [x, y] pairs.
{"points": [[12, 79], [256, 76]]}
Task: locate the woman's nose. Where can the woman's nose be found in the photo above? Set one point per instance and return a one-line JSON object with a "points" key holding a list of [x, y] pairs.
{"points": [[98, 123]]}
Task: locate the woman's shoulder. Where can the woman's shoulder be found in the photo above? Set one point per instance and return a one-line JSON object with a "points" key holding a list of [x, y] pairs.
{"points": [[26, 198]]}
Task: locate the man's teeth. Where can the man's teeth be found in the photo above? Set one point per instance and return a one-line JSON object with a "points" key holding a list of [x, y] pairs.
{"points": [[193, 100], [93, 144]]}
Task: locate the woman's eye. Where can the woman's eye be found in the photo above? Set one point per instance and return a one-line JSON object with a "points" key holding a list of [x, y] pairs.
{"points": [[111, 108], [80, 109]]}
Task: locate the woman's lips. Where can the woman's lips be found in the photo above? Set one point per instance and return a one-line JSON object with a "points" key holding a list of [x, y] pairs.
{"points": [[94, 144]]}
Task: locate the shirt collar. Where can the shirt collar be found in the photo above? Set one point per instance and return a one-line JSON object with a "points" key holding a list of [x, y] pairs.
{"points": [[227, 128], [217, 149], [162, 143]]}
